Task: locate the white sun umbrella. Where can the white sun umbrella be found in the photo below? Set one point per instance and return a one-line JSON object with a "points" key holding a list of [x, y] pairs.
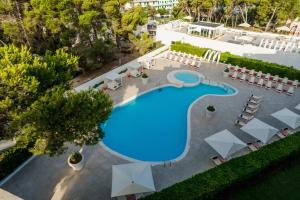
{"points": [[288, 117], [283, 28], [245, 25], [298, 107], [131, 178], [260, 130], [225, 143]]}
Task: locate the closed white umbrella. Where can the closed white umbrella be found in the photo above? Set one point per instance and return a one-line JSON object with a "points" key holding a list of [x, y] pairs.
{"points": [[131, 178], [260, 130], [245, 25], [225, 143], [288, 117]]}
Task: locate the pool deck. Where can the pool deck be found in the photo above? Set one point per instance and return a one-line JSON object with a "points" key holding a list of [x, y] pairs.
{"points": [[51, 178]]}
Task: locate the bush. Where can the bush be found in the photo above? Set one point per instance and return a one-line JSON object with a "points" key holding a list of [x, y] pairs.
{"points": [[208, 184], [258, 65], [75, 158], [12, 158]]}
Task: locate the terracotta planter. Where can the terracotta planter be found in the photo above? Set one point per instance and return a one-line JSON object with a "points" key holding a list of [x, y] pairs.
{"points": [[145, 80], [77, 166], [210, 114]]}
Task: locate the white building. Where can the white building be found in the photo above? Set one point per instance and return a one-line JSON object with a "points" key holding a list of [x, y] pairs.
{"points": [[205, 29], [167, 4]]}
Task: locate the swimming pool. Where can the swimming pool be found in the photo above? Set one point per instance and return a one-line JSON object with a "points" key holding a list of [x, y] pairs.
{"points": [[153, 127], [187, 77]]}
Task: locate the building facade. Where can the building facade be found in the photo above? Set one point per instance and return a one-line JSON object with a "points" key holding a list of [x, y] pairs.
{"points": [[167, 4]]}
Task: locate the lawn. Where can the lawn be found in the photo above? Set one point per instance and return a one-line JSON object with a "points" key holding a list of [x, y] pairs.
{"points": [[280, 183]]}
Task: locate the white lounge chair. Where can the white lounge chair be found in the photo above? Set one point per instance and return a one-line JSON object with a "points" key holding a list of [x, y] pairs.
{"points": [[199, 64], [251, 72], [275, 78], [175, 58], [246, 117], [254, 146], [251, 80], [256, 98], [260, 82], [244, 76], [252, 106], [171, 57], [250, 111], [243, 70], [234, 76], [259, 74], [181, 59], [285, 80], [295, 83], [187, 61], [290, 90], [269, 85], [279, 88], [267, 76], [193, 63]]}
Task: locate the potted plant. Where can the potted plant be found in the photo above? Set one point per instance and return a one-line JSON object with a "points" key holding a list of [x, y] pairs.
{"points": [[76, 161], [210, 111], [226, 72], [145, 78]]}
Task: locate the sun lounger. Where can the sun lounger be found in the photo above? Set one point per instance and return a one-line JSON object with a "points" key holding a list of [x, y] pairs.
{"points": [[199, 64], [243, 70], [234, 76], [236, 68], [251, 72], [250, 111], [246, 117], [275, 79], [252, 106], [290, 91], [175, 58], [244, 76], [187, 61], [269, 85], [267, 76], [253, 101], [295, 83], [181, 60], [260, 82], [251, 80], [254, 146], [193, 63], [256, 98], [240, 122], [259, 74], [217, 160], [279, 88], [285, 80]]}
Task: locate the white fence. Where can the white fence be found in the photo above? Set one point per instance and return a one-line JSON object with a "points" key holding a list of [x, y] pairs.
{"points": [[250, 51]]}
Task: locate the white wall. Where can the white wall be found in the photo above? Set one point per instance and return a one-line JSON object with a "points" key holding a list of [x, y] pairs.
{"points": [[269, 55]]}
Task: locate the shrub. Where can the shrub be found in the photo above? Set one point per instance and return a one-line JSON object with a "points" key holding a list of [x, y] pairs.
{"points": [[208, 184], [75, 158], [12, 158], [211, 108], [258, 65]]}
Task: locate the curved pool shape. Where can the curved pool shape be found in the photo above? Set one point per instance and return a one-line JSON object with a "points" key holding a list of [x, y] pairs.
{"points": [[187, 77], [153, 127]]}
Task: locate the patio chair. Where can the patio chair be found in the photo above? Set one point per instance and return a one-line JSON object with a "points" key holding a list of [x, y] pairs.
{"points": [[259, 74], [295, 83], [218, 160], [246, 117], [279, 88], [234, 76], [251, 80], [260, 82], [244, 76], [267, 76], [285, 80], [243, 70], [269, 85], [251, 72], [275, 79], [290, 91], [113, 85]]}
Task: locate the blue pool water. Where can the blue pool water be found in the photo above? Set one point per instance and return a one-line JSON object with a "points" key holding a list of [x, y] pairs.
{"points": [[153, 127], [187, 77]]}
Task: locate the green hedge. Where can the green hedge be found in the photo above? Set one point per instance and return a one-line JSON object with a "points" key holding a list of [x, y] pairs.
{"points": [[258, 65], [12, 158], [208, 184]]}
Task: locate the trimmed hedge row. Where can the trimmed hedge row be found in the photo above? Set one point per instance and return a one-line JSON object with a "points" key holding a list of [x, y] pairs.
{"points": [[208, 184], [12, 158], [258, 65]]}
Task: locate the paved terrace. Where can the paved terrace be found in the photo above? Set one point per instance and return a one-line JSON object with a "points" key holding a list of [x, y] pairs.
{"points": [[51, 178]]}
